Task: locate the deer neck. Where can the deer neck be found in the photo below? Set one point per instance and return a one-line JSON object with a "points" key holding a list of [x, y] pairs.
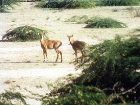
{"points": [[42, 37], [72, 40]]}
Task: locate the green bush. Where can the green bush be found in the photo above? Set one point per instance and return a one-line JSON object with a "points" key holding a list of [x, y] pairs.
{"points": [[111, 66], [68, 3], [112, 56], [8, 97], [24, 33], [98, 22], [4, 4], [76, 95], [111, 62], [118, 2]]}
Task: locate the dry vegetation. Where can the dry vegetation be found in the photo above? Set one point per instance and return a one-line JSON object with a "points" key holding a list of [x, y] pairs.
{"points": [[26, 57]]}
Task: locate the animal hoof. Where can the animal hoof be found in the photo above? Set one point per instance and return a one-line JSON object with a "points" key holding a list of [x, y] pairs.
{"points": [[45, 61]]}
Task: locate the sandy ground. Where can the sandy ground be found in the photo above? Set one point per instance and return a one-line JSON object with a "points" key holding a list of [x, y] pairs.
{"points": [[21, 66]]}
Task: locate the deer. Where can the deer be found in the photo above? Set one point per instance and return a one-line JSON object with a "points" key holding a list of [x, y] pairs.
{"points": [[50, 44], [77, 46]]}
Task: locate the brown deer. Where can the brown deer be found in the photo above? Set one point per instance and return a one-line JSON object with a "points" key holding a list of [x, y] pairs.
{"points": [[50, 44], [77, 46]]}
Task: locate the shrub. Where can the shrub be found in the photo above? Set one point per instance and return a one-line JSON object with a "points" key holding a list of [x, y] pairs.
{"points": [[111, 62], [78, 19], [4, 4], [24, 33], [98, 22], [8, 97], [118, 2], [113, 56], [76, 95], [69, 3], [111, 66]]}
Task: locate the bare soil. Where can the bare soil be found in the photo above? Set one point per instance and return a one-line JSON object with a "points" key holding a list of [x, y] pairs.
{"points": [[21, 63]]}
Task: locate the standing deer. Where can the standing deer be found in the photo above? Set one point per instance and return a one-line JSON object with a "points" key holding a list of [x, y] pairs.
{"points": [[77, 46], [50, 44]]}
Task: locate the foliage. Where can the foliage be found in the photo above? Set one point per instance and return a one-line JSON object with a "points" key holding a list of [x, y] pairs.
{"points": [[24, 33], [76, 95], [4, 4], [109, 76], [118, 2], [99, 22], [138, 29], [113, 64], [68, 3], [96, 22], [7, 97], [78, 19]]}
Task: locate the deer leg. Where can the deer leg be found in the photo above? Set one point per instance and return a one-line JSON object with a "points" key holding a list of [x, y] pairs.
{"points": [[61, 56], [76, 59], [45, 54], [57, 51]]}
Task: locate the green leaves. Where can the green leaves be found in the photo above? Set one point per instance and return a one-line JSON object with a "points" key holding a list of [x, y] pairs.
{"points": [[110, 66], [7, 97], [24, 33], [77, 95], [7, 3], [98, 22], [118, 2], [69, 3]]}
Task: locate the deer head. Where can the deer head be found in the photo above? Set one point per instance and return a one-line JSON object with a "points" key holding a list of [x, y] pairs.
{"points": [[71, 39]]}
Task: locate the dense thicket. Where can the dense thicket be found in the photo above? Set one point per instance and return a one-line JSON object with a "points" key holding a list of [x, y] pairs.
{"points": [[113, 62]]}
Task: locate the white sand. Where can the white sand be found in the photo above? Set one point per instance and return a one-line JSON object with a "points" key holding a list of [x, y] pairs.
{"points": [[21, 63]]}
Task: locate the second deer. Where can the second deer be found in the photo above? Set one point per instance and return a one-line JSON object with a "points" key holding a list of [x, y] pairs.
{"points": [[77, 46], [50, 44]]}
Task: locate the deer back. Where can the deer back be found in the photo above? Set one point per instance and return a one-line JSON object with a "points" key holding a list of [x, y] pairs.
{"points": [[78, 45], [51, 44]]}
